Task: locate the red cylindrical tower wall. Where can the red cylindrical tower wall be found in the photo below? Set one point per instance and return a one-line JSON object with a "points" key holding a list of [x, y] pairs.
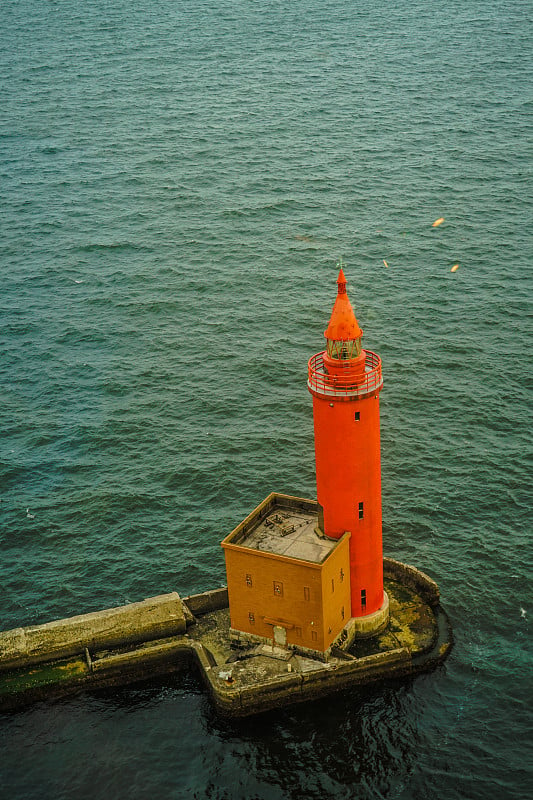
{"points": [[348, 473]]}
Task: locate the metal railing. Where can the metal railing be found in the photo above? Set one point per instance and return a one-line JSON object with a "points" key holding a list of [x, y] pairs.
{"points": [[321, 382]]}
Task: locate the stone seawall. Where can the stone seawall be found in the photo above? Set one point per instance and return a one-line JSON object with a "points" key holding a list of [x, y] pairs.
{"points": [[154, 618], [164, 634], [412, 577], [306, 682], [200, 604]]}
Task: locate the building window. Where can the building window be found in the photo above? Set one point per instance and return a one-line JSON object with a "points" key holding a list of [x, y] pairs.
{"points": [[332, 585], [357, 416], [363, 599], [342, 612], [361, 511], [298, 632], [307, 593], [249, 581], [314, 636], [278, 588], [251, 617], [342, 575]]}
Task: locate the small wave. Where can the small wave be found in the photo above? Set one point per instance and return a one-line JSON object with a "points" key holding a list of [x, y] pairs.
{"points": [[103, 246]]}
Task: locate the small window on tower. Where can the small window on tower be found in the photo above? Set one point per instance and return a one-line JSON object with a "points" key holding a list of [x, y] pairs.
{"points": [[249, 581], [332, 585], [361, 510], [278, 588], [307, 593], [357, 416], [363, 599], [314, 636], [342, 574], [251, 617], [342, 612]]}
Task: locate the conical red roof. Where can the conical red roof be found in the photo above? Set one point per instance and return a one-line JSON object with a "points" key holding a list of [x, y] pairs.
{"points": [[342, 325]]}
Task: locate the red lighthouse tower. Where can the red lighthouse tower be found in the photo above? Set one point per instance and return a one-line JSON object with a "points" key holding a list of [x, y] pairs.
{"points": [[345, 382]]}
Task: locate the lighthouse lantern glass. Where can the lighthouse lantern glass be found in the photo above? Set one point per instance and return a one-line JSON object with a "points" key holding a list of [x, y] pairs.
{"points": [[343, 350]]}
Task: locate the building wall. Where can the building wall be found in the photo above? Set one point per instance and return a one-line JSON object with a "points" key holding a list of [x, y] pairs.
{"points": [[266, 589], [336, 594]]}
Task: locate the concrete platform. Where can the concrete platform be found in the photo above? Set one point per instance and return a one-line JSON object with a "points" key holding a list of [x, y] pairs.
{"points": [[240, 682]]}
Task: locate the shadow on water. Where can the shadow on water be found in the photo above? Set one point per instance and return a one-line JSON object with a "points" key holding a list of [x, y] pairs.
{"points": [[360, 743]]}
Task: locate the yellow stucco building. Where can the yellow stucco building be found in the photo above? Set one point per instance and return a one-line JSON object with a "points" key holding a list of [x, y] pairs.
{"points": [[287, 583]]}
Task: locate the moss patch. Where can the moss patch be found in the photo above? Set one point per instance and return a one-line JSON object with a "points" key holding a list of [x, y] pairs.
{"points": [[376, 644], [42, 675], [400, 595], [412, 624]]}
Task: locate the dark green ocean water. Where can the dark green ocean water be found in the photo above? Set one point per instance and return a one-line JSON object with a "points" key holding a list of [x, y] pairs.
{"points": [[177, 181]]}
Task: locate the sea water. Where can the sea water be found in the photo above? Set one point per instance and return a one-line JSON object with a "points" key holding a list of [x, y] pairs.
{"points": [[178, 180]]}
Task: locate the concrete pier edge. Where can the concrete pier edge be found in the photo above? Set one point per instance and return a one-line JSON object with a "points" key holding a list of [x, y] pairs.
{"points": [[88, 652]]}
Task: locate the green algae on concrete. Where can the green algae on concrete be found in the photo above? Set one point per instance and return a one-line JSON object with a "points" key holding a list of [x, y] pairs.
{"points": [[412, 624], [41, 676]]}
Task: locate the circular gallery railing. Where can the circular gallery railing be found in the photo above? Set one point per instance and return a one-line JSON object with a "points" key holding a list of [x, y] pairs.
{"points": [[321, 382]]}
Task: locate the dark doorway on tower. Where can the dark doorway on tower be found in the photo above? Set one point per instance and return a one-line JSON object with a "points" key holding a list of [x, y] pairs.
{"points": [[363, 599]]}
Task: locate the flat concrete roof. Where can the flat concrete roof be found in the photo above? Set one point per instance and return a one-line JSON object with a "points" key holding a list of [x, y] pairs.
{"points": [[289, 533]]}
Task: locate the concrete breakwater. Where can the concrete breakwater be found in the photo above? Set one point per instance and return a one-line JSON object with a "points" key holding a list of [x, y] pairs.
{"points": [[155, 618], [165, 634]]}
